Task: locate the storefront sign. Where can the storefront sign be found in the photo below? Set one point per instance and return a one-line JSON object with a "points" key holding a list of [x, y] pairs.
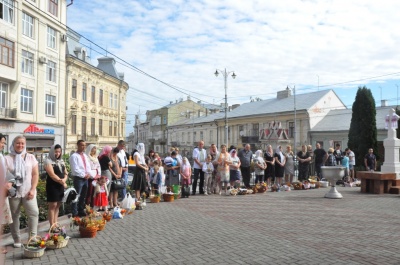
{"points": [[33, 129]]}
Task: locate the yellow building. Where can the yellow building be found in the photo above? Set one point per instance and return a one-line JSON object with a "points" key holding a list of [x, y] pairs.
{"points": [[96, 98]]}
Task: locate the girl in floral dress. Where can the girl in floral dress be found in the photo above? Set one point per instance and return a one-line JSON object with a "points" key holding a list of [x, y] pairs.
{"points": [[100, 193]]}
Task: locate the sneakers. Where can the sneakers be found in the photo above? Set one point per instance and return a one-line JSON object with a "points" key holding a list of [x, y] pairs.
{"points": [[205, 193], [18, 245], [220, 193]]}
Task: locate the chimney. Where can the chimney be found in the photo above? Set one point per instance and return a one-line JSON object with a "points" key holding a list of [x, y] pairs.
{"points": [[383, 103], [199, 102], [284, 93]]}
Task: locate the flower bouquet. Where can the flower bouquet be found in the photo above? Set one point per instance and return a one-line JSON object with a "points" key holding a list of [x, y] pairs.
{"points": [[123, 212], [101, 224], [261, 187], [56, 237], [35, 247]]}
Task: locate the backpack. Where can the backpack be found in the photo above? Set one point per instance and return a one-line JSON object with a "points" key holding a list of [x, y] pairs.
{"points": [[70, 196]]}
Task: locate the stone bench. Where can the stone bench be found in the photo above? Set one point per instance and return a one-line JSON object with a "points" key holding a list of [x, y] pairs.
{"points": [[375, 182]]}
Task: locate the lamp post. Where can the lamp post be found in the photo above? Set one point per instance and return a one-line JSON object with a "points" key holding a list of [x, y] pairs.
{"points": [[225, 75]]}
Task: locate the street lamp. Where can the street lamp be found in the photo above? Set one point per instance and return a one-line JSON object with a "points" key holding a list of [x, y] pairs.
{"points": [[225, 75]]}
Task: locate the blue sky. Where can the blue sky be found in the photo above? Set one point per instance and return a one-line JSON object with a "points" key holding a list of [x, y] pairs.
{"points": [[269, 45]]}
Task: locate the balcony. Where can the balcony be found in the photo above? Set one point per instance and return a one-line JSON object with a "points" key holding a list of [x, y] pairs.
{"points": [[8, 113]]}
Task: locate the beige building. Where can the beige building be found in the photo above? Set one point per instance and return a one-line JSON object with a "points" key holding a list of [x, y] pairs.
{"points": [[258, 123], [96, 98], [32, 71], [154, 132]]}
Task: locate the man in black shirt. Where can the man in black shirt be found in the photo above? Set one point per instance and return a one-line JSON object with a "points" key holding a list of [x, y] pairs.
{"points": [[370, 160], [320, 157]]}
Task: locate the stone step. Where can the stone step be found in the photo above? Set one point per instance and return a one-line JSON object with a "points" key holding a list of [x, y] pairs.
{"points": [[394, 190]]}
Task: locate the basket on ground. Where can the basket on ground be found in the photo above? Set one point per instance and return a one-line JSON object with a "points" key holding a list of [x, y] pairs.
{"points": [[168, 197], [88, 232], [155, 199], [35, 251], [56, 240], [297, 185]]}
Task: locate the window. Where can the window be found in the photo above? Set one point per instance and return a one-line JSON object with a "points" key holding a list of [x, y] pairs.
{"points": [[53, 7], [100, 127], [183, 136], [115, 128], [201, 135], [211, 136], [6, 52], [26, 100], [115, 101], [51, 37], [74, 85], [164, 119], [110, 128], [3, 95], [84, 91], [194, 136], [51, 71], [92, 126], [101, 97], [27, 25], [110, 105], [7, 10], [291, 129], [93, 96], [50, 105], [73, 124], [255, 131], [27, 62], [83, 127], [189, 137]]}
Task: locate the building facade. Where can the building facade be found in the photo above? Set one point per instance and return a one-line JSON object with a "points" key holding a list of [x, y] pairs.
{"points": [[32, 72], [95, 100]]}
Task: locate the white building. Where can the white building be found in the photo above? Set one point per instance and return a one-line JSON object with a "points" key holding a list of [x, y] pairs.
{"points": [[32, 71]]}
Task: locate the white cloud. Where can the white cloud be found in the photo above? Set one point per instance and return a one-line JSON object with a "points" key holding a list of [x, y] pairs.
{"points": [[269, 44]]}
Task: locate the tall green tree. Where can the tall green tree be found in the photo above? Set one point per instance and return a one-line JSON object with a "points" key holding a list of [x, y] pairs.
{"points": [[363, 132]]}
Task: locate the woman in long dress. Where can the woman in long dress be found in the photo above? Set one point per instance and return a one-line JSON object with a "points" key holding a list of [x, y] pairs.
{"points": [[289, 165], [280, 160], [223, 162], [91, 152], [139, 179], [270, 160]]}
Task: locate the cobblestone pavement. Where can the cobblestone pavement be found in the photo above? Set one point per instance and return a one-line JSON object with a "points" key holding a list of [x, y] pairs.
{"points": [[296, 227]]}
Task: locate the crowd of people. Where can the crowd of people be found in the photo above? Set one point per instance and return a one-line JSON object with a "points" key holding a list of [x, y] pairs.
{"points": [[100, 178]]}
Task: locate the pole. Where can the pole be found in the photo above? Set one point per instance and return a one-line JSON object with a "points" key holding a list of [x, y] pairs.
{"points": [[397, 95], [226, 108], [295, 117]]}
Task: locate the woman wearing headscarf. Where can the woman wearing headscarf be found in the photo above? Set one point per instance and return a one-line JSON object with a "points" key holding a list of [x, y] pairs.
{"points": [[270, 161], [259, 166], [57, 176], [234, 168], [223, 162], [213, 152], [91, 152], [280, 161], [23, 171], [105, 164], [139, 179]]}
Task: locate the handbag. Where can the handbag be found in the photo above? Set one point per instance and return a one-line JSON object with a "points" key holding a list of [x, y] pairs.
{"points": [[118, 184]]}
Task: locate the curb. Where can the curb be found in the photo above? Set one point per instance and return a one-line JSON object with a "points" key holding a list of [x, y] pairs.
{"points": [[44, 226]]}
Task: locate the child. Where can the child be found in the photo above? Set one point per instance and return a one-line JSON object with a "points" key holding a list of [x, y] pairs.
{"points": [[100, 193], [186, 174], [208, 169], [345, 163], [156, 177]]}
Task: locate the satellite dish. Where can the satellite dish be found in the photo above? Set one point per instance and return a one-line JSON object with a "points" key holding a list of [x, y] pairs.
{"points": [[241, 133]]}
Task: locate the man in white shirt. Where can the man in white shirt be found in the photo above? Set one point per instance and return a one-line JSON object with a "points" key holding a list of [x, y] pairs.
{"points": [[352, 162], [199, 157], [81, 172], [124, 164]]}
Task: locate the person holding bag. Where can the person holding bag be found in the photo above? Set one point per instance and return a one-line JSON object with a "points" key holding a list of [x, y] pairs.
{"points": [[23, 169], [117, 182]]}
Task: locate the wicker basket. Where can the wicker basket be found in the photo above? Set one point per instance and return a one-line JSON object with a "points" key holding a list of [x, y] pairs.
{"points": [[297, 185], [168, 197], [262, 189], [33, 252], [155, 199], [102, 225], [59, 244], [88, 232]]}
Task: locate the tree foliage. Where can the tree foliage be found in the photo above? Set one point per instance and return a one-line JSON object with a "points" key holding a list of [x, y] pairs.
{"points": [[363, 132]]}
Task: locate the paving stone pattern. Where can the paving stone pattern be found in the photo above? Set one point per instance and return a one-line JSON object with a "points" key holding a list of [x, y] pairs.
{"points": [[296, 227]]}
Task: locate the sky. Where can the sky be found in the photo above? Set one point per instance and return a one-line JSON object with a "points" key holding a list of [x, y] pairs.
{"points": [[170, 49]]}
